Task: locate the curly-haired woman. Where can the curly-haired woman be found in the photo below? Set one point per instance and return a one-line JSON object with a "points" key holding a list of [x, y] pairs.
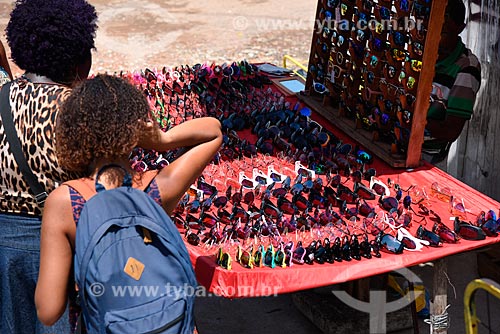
{"points": [[51, 40], [116, 120]]}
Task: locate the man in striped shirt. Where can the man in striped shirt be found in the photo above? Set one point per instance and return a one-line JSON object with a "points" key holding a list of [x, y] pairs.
{"points": [[456, 83]]}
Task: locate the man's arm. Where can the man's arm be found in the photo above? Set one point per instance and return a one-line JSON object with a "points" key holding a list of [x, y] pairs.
{"points": [[460, 104]]}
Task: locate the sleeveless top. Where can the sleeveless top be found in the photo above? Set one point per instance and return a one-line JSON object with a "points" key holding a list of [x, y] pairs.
{"points": [[34, 107]]}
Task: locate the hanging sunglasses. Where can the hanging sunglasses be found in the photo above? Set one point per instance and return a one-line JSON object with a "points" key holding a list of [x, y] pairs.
{"points": [[397, 54], [419, 32], [373, 61], [320, 88], [365, 5], [377, 45], [421, 11], [410, 83], [347, 11], [403, 7], [417, 48], [361, 35], [398, 38], [337, 72], [332, 3], [382, 13]]}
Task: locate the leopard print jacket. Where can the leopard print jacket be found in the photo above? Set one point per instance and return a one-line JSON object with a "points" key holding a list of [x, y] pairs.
{"points": [[34, 107]]}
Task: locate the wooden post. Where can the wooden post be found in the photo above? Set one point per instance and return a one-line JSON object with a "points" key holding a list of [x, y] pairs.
{"points": [[424, 88], [440, 292]]}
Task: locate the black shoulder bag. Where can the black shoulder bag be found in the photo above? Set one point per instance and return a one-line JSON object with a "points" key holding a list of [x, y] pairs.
{"points": [[15, 147]]}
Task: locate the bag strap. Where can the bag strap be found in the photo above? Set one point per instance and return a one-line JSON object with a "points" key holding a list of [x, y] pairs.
{"points": [[15, 147], [86, 186]]}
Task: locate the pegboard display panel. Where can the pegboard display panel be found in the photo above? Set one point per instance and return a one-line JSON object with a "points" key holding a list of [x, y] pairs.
{"points": [[366, 65]]}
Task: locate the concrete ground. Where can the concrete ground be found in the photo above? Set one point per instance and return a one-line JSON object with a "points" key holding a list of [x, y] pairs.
{"points": [[134, 35], [280, 315]]}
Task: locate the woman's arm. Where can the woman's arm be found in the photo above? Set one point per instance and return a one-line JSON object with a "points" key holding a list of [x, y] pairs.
{"points": [[56, 256], [202, 137]]}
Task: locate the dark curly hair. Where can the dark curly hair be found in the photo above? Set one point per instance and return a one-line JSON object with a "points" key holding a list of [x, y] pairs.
{"points": [[102, 118], [51, 37]]}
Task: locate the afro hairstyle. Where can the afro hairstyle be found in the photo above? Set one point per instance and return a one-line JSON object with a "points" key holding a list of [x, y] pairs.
{"points": [[51, 37]]}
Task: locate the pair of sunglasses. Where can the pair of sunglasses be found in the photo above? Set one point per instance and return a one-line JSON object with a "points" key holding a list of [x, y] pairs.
{"points": [[468, 231], [223, 259], [389, 243]]}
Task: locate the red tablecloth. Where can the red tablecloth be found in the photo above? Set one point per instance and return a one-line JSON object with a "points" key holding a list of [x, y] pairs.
{"points": [[264, 281]]}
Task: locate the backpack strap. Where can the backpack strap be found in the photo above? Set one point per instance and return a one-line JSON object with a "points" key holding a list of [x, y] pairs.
{"points": [[86, 186], [15, 148]]}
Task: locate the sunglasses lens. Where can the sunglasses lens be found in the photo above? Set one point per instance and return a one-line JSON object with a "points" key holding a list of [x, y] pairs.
{"points": [[301, 203], [408, 243], [320, 88], [287, 208], [490, 215], [207, 188], [247, 183], [416, 65], [226, 261], [262, 180], [279, 192], [193, 239], [411, 83], [398, 54], [275, 177], [245, 259], [209, 221], [392, 244], [297, 188], [220, 201], [249, 197]]}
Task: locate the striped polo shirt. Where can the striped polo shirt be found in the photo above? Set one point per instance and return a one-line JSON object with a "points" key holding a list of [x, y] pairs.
{"points": [[456, 83]]}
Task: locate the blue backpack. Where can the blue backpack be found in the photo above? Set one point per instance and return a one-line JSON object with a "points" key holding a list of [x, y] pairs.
{"points": [[131, 265]]}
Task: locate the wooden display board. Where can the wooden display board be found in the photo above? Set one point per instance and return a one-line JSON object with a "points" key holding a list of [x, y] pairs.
{"points": [[371, 69]]}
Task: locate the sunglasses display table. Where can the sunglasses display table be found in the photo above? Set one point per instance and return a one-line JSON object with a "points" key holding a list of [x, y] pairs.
{"points": [[238, 100], [264, 281]]}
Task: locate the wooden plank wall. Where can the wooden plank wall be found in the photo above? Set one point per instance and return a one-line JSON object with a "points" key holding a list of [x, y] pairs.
{"points": [[475, 158]]}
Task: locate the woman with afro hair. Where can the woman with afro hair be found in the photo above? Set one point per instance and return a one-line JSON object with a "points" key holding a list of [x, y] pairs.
{"points": [[117, 119], [51, 40]]}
